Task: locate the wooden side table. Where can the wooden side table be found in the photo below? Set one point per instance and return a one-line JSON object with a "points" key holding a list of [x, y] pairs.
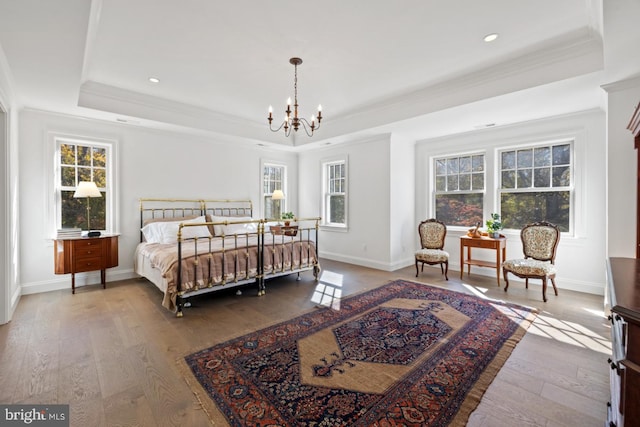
{"points": [[287, 230], [80, 254], [499, 245]]}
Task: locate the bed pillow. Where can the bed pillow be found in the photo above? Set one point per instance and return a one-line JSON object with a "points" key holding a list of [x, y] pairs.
{"points": [[153, 234], [219, 230], [167, 231], [193, 232]]}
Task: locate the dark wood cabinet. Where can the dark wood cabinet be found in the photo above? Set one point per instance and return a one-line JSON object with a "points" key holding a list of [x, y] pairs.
{"points": [[634, 127], [623, 303], [77, 255]]}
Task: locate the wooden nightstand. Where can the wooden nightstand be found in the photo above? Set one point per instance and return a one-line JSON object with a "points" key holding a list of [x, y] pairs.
{"points": [[80, 254]]}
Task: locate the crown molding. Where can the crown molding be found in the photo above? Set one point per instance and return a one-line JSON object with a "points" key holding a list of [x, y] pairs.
{"points": [[620, 85], [116, 100], [574, 54]]}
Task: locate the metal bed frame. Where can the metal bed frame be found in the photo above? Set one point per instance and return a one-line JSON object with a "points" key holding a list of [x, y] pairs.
{"points": [[175, 209]]}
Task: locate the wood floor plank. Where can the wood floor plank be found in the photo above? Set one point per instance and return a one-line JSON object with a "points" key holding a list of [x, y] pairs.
{"points": [[111, 353], [128, 408], [79, 381]]}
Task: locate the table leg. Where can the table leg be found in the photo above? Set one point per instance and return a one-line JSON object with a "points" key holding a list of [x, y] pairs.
{"points": [[103, 278], [468, 258], [504, 255], [73, 283], [498, 263], [461, 258]]}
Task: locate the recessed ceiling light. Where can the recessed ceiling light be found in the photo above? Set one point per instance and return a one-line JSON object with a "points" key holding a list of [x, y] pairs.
{"points": [[490, 37], [154, 80]]}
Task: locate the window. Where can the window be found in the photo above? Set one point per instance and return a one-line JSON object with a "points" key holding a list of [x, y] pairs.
{"points": [[78, 161], [273, 178], [335, 193], [536, 185], [459, 189]]}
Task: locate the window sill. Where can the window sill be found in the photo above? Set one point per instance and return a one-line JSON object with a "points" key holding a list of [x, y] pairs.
{"points": [[334, 228]]}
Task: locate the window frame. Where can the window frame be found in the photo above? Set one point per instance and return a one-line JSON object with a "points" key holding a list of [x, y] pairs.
{"points": [[326, 194], [550, 143], [580, 128], [54, 142], [434, 177], [265, 198]]}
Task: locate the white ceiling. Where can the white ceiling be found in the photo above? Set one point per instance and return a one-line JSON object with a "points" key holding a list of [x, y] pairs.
{"points": [[419, 67]]}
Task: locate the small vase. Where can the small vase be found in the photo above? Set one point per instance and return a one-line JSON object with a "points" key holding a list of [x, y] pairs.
{"points": [[496, 235]]}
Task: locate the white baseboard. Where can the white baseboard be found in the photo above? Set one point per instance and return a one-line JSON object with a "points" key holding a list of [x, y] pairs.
{"points": [[82, 279], [356, 260], [561, 282]]}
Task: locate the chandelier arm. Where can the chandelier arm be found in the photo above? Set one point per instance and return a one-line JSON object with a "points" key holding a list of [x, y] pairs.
{"points": [[306, 126], [276, 130]]}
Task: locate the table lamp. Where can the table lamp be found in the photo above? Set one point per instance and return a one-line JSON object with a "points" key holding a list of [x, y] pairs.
{"points": [[278, 195], [88, 189]]}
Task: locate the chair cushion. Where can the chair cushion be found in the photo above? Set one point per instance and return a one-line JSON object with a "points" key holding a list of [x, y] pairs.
{"points": [[530, 267], [432, 255]]}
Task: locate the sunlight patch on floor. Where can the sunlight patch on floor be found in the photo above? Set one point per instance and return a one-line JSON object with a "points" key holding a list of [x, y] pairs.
{"points": [[328, 292], [598, 313], [476, 290], [569, 333]]}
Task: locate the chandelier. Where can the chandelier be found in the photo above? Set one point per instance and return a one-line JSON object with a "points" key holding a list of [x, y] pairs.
{"points": [[293, 121]]}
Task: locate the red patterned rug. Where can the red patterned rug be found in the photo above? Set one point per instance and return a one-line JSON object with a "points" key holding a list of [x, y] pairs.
{"points": [[403, 354]]}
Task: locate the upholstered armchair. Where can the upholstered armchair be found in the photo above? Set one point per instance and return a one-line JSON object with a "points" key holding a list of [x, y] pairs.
{"points": [[539, 244], [432, 233]]}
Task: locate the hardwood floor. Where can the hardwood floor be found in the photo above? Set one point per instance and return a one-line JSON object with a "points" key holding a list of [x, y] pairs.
{"points": [[111, 354]]}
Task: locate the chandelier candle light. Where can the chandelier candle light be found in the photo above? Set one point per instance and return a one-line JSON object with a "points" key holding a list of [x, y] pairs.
{"points": [[293, 121]]}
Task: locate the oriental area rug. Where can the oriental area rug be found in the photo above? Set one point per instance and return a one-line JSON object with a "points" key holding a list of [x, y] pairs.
{"points": [[402, 354]]}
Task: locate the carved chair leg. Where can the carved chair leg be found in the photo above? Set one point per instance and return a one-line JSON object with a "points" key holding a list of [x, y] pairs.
{"points": [[553, 282], [544, 289], [446, 270], [417, 268], [506, 280], [526, 282], [442, 268]]}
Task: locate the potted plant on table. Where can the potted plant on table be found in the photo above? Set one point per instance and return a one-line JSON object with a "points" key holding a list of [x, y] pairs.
{"points": [[287, 217], [494, 225]]}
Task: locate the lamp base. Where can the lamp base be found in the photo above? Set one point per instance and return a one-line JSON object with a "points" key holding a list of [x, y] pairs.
{"points": [[94, 234]]}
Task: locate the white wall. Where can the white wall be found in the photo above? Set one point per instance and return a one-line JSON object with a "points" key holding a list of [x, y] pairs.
{"points": [[403, 226], [623, 97], [150, 164], [366, 240], [9, 241], [580, 257]]}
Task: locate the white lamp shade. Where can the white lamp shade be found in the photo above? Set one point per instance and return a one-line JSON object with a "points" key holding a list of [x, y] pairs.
{"points": [[87, 189], [277, 195]]}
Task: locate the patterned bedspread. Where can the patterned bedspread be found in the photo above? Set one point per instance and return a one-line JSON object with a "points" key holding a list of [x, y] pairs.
{"points": [[216, 262]]}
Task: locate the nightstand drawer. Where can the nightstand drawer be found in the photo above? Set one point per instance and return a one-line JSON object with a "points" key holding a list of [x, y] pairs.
{"points": [[88, 264], [88, 252]]}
